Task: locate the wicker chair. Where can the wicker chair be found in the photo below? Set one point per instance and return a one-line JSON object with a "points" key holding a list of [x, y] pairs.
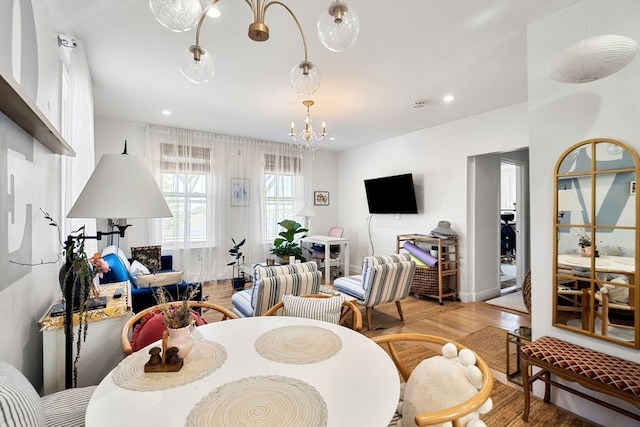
{"points": [[454, 413], [350, 316], [127, 329]]}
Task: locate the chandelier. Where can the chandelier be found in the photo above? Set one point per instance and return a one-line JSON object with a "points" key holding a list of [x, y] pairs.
{"points": [[307, 138], [338, 29]]}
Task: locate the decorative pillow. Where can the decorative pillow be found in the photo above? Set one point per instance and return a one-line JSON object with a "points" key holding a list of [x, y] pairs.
{"points": [[20, 404], [618, 294], [150, 328], [160, 279], [441, 382], [325, 309], [118, 271], [137, 270], [149, 256]]}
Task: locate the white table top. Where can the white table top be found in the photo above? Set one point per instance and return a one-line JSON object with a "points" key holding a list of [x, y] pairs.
{"points": [[324, 239], [605, 263], [359, 383]]}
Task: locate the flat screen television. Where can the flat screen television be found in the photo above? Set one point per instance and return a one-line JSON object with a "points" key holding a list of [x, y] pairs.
{"points": [[391, 195]]}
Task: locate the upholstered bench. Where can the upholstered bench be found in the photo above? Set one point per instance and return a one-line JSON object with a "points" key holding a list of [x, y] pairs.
{"points": [[593, 370]]}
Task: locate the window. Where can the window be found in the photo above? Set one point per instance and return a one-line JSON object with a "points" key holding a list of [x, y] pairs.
{"points": [[185, 172], [281, 175]]}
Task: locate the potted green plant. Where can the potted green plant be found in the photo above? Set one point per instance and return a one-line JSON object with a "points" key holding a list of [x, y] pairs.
{"points": [[286, 244], [237, 281]]}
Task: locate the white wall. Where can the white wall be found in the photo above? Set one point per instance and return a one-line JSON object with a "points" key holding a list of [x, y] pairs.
{"points": [[559, 116], [30, 178], [437, 157], [110, 137]]}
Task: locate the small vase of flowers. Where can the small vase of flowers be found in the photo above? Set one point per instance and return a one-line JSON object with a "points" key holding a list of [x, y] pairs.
{"points": [[177, 315]]}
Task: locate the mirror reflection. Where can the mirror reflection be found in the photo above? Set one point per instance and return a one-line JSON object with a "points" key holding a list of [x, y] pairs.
{"points": [[595, 256]]}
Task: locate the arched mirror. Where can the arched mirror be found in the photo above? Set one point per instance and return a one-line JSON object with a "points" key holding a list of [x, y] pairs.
{"points": [[595, 259]]}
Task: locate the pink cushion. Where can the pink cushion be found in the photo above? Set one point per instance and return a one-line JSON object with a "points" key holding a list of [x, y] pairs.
{"points": [[150, 328]]}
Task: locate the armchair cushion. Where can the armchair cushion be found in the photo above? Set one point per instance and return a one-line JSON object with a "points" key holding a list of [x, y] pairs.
{"points": [[119, 272], [325, 309], [21, 406], [271, 289], [261, 272]]}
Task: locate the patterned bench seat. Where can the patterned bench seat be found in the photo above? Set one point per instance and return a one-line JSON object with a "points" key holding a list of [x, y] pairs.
{"points": [[593, 370]]}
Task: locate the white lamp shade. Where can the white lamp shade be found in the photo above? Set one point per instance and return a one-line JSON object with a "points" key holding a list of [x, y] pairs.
{"points": [[305, 211], [121, 186], [592, 59]]}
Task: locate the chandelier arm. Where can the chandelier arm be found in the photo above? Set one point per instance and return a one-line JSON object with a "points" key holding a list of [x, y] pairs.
{"points": [[304, 41], [201, 20]]}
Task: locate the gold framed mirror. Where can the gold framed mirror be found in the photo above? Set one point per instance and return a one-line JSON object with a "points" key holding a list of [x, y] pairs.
{"points": [[596, 290]]}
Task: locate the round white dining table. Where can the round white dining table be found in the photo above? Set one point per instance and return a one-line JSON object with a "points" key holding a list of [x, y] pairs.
{"points": [[350, 376]]}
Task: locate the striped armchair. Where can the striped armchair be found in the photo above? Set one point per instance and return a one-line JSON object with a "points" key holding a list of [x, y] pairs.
{"points": [[270, 283], [21, 406], [384, 279]]}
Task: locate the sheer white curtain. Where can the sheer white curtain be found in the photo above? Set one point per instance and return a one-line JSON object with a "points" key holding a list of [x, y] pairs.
{"points": [[235, 163], [77, 129]]}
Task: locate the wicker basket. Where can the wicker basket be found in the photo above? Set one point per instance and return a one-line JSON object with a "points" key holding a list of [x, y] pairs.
{"points": [[425, 281]]}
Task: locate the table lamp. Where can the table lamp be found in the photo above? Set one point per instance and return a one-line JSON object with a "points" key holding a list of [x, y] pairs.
{"points": [[121, 186], [306, 212]]}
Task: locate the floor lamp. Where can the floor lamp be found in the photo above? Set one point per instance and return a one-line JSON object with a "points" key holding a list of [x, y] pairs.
{"points": [[121, 187]]}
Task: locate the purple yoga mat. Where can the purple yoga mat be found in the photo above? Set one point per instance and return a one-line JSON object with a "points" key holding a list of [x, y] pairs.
{"points": [[420, 254]]}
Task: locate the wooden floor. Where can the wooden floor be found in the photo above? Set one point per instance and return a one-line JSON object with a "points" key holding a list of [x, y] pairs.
{"points": [[455, 324]]}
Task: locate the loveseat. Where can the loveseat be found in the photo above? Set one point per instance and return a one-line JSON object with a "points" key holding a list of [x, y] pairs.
{"points": [[143, 295], [271, 283]]}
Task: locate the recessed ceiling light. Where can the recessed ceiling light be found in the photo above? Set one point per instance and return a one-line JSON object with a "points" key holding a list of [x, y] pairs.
{"points": [[418, 104], [448, 98], [166, 112], [332, 138]]}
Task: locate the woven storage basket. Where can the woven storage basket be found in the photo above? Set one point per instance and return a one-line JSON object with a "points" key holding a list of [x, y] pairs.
{"points": [[425, 281]]}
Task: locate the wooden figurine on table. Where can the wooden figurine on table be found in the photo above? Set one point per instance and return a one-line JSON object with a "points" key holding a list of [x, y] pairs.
{"points": [[164, 359]]}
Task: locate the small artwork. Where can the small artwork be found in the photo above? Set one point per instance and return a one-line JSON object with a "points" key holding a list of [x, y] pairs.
{"points": [[321, 198], [239, 191], [632, 187]]}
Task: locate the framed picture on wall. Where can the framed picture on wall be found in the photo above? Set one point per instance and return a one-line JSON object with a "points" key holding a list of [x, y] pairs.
{"points": [[321, 198], [240, 192]]}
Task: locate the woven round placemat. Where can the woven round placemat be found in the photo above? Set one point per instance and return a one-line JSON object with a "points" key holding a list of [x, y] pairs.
{"points": [[298, 344], [204, 358], [269, 400]]}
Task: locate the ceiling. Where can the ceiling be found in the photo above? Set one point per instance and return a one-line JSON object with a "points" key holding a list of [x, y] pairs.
{"points": [[407, 51]]}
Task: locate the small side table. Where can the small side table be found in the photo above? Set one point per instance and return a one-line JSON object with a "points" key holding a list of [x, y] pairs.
{"points": [[517, 337]]}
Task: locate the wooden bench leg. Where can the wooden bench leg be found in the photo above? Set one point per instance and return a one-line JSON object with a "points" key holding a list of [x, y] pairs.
{"points": [[547, 387], [526, 387]]}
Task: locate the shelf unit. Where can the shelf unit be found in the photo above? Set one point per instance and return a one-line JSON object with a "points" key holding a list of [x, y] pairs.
{"points": [[16, 104], [446, 274]]}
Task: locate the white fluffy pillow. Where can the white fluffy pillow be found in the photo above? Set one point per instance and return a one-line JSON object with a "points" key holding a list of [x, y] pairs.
{"points": [[618, 294], [136, 270], [441, 382]]}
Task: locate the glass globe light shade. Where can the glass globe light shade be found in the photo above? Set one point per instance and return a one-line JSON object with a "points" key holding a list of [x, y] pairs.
{"points": [[176, 15], [338, 27], [196, 64], [305, 83]]}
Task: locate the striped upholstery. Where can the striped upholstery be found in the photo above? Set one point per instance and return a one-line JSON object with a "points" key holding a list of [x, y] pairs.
{"points": [[371, 261], [21, 406], [260, 273], [324, 309], [388, 282], [67, 408], [271, 289]]}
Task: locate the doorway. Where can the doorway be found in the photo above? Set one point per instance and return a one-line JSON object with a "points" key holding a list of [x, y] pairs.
{"points": [[509, 172], [485, 207]]}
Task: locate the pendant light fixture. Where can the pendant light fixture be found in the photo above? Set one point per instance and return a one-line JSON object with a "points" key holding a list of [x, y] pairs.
{"points": [[196, 62], [338, 27], [308, 138], [592, 59]]}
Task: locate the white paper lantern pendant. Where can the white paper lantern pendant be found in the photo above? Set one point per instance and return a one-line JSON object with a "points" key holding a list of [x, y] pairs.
{"points": [[592, 59]]}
